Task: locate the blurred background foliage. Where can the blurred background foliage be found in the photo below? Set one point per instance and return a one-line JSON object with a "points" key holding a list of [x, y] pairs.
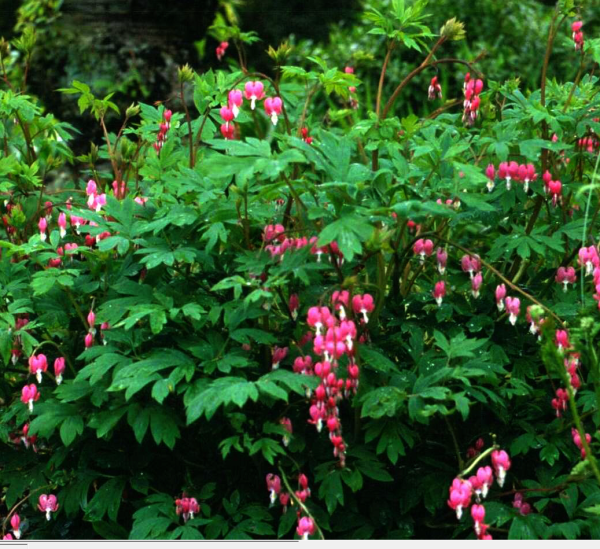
{"points": [[133, 47]]}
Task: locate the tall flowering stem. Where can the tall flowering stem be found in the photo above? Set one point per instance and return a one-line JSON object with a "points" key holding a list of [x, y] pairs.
{"points": [[301, 505], [506, 281]]}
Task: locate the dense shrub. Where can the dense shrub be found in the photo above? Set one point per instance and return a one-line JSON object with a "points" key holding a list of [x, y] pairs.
{"points": [[309, 317]]}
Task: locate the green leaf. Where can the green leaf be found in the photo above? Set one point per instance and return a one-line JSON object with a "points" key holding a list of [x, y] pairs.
{"points": [[349, 232], [106, 501], [70, 428]]}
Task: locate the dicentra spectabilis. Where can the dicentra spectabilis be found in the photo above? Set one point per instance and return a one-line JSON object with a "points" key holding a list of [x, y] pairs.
{"points": [[317, 317], [562, 341], [555, 190], [91, 320], [187, 508], [501, 464], [221, 49], [577, 34], [588, 257], [442, 258], [500, 295], [470, 264], [235, 101], [560, 402], [476, 282], [43, 225], [363, 304], [293, 305], [535, 321], [439, 291], [434, 89], [305, 528], [38, 364], [513, 307], [15, 523], [228, 131], [286, 423], [340, 300], [29, 395], [89, 340], [518, 503], [460, 496], [478, 514], [254, 91], [482, 481], [565, 276], [279, 353], [423, 248], [503, 173], [48, 504], [273, 486], [62, 224], [226, 114], [59, 368], [579, 443], [305, 137], [530, 175], [273, 107], [490, 173]]}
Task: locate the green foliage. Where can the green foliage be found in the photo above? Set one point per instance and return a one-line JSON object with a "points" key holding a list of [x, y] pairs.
{"points": [[191, 262]]}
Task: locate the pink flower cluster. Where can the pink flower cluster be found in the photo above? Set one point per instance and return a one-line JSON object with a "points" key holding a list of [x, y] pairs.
{"points": [[221, 48], [590, 144], [552, 187], [95, 200], [352, 89], [186, 507], [472, 265], [253, 91], [335, 337], [578, 443], [274, 488], [511, 171], [523, 507], [277, 243], [462, 491], [577, 34], [163, 130], [472, 89]]}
